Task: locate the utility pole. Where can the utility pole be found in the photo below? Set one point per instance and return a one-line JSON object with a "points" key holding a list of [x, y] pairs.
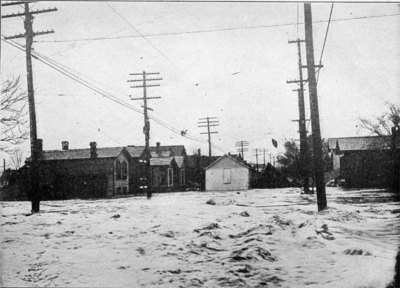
{"points": [[242, 146], [256, 154], [395, 157], [146, 128], [316, 132], [264, 157], [34, 193], [305, 170], [208, 122]]}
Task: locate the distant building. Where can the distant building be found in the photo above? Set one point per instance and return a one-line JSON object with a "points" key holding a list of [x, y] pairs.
{"points": [[272, 178], [229, 173], [87, 173], [362, 161], [195, 170], [107, 172]]}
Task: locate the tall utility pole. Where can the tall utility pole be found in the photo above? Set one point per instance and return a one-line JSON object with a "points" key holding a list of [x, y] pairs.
{"points": [[34, 194], [316, 132], [242, 146], [208, 122], [256, 153], [302, 121], [146, 128], [264, 157]]}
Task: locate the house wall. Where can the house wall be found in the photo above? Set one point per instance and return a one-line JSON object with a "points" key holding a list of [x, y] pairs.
{"points": [[160, 178], [239, 180], [121, 186], [66, 179], [336, 161], [366, 169]]}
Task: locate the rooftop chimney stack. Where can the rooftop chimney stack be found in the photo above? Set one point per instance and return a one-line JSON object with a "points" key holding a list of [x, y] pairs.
{"points": [[39, 145], [93, 150], [158, 151], [199, 152], [64, 145]]}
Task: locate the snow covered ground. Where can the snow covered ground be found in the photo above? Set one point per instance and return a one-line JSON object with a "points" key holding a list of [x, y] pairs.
{"points": [[256, 238]]}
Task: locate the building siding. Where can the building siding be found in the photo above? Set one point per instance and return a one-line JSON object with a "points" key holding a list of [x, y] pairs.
{"points": [[217, 176]]}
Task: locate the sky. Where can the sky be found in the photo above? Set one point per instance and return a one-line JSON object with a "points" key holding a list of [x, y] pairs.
{"points": [[224, 60]]}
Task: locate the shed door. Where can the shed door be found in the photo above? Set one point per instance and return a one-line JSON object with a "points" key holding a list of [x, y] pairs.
{"points": [[227, 176]]}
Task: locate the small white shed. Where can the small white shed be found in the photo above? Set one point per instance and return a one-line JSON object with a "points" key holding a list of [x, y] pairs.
{"points": [[227, 173]]}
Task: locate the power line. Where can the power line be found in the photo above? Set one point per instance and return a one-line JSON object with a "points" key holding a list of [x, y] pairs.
{"points": [[326, 36], [58, 67], [215, 30], [144, 38]]}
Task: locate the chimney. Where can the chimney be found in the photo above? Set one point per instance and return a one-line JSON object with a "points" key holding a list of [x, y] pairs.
{"points": [[39, 145], [199, 152], [64, 145], [93, 150], [158, 151]]}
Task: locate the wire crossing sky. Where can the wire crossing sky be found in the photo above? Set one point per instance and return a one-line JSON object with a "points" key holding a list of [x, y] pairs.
{"points": [[230, 60]]}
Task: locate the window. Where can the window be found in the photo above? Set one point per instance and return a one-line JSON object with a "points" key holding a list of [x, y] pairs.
{"points": [[121, 170], [227, 176], [170, 177], [182, 176], [118, 170], [124, 171]]}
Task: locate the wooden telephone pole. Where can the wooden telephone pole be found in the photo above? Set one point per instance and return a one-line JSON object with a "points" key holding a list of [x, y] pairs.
{"points": [[146, 128], [316, 132], [34, 194], [242, 146], [208, 122], [304, 155]]}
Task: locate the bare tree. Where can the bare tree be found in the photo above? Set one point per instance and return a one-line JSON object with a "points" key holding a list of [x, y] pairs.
{"points": [[13, 112], [382, 125], [16, 158]]}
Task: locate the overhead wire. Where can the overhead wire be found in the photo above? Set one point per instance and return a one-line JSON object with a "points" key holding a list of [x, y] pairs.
{"points": [[56, 66], [322, 52], [143, 36], [215, 30], [323, 46]]}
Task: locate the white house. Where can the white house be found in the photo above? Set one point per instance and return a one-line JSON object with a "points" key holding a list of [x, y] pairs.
{"points": [[228, 173]]}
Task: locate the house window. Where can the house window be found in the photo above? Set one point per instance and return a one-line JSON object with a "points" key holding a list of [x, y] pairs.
{"points": [[118, 170], [170, 177], [182, 176], [124, 170], [227, 176]]}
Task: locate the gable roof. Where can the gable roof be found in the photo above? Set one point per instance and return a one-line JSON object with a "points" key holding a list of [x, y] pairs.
{"points": [[73, 154], [161, 161], [359, 143], [176, 150], [164, 151], [135, 151], [237, 160], [180, 160]]}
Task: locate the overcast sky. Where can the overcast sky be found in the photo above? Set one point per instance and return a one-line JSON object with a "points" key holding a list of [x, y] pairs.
{"points": [[224, 60]]}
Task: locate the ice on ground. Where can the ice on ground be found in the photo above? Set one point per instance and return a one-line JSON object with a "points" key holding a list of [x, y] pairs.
{"points": [[258, 238]]}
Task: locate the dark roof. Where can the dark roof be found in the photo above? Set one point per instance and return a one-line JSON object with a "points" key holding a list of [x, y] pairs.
{"points": [[164, 151], [110, 152], [177, 150], [107, 152], [161, 161], [359, 143]]}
